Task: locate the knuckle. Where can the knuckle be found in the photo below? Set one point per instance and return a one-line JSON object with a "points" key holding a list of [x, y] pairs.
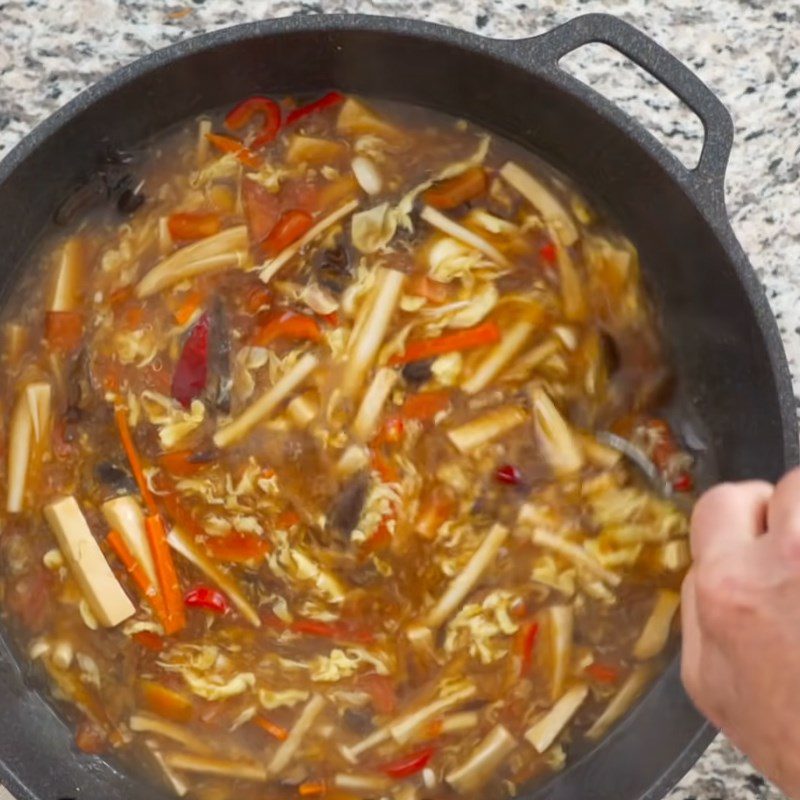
{"points": [[719, 496], [718, 588]]}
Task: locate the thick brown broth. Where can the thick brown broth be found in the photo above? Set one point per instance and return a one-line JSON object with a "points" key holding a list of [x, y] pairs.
{"points": [[310, 483]]}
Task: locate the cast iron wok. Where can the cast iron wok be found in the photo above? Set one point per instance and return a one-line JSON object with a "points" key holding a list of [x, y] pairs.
{"points": [[723, 340]]}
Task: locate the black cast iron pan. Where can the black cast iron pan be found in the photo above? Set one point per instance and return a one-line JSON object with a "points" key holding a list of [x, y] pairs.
{"points": [[723, 340]]}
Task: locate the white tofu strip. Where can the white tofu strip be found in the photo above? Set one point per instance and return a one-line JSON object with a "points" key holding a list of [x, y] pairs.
{"points": [[655, 633], [124, 515], [403, 729], [361, 783], [545, 730], [267, 403], [302, 409], [106, 597], [483, 762], [285, 753], [467, 579], [175, 783]]}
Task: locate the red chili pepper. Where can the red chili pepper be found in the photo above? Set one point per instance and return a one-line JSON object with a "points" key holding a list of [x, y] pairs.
{"points": [[410, 764], [548, 253], [527, 641], [288, 229], [241, 114], [683, 482], [326, 101], [508, 474], [191, 370], [208, 599]]}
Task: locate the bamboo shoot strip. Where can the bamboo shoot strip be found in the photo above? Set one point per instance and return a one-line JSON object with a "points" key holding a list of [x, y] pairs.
{"points": [[102, 590], [366, 421], [543, 200], [225, 249], [499, 356], [404, 728], [483, 762], [576, 554], [438, 220], [273, 266], [560, 626], [621, 701], [39, 398], [656, 630], [267, 403], [364, 349], [68, 278], [466, 580], [494, 423], [19, 453], [123, 514], [181, 543], [149, 723], [223, 767], [283, 755], [573, 300], [545, 730]]}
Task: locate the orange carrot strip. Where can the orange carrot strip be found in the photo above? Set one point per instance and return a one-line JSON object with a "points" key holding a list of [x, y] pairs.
{"points": [[425, 405], [312, 788], [453, 192], [133, 458], [272, 728], [189, 305], [167, 576], [193, 226], [138, 575], [227, 144], [480, 335]]}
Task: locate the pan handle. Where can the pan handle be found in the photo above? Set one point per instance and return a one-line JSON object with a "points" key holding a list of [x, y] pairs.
{"points": [[709, 175]]}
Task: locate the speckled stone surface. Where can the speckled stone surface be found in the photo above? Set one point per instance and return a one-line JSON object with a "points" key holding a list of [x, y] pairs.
{"points": [[748, 51]]}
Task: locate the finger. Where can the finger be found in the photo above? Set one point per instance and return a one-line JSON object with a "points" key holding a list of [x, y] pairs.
{"points": [[691, 643], [729, 514], [783, 516]]}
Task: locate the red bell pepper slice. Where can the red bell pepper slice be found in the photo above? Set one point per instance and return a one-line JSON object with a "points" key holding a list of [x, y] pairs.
{"points": [[527, 641], [207, 599], [466, 339], [191, 371], [63, 329], [241, 114], [326, 101], [288, 325], [410, 764], [288, 229]]}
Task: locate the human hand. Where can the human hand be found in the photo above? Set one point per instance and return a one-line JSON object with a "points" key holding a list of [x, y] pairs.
{"points": [[741, 621]]}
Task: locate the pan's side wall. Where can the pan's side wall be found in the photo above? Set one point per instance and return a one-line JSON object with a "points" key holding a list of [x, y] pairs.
{"points": [[718, 346]]}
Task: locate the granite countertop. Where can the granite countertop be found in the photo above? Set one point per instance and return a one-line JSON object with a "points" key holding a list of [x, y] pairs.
{"points": [[748, 51]]}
